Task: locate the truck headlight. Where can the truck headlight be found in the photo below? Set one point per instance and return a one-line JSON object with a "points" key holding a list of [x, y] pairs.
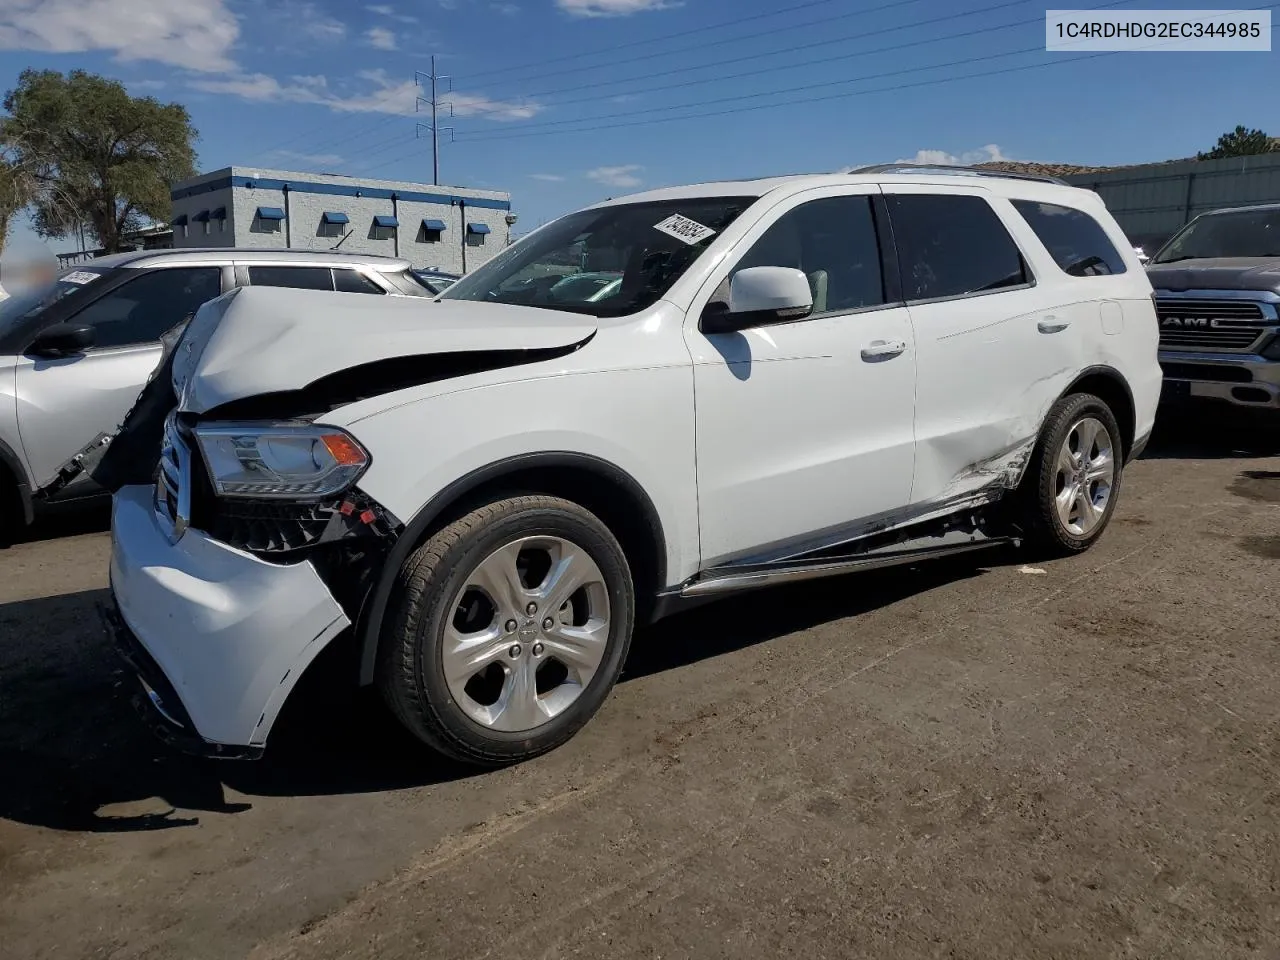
{"points": [[280, 460]]}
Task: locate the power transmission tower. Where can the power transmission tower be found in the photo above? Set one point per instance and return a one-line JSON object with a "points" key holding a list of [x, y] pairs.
{"points": [[436, 104]]}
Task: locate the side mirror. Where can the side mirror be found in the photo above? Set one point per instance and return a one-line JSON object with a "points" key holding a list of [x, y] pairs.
{"points": [[62, 340], [759, 296]]}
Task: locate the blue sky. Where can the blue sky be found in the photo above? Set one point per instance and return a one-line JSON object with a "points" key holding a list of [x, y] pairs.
{"points": [[557, 100]]}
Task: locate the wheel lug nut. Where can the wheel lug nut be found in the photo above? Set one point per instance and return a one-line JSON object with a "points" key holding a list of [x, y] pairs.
{"points": [[531, 609], [548, 623], [537, 649], [511, 626], [515, 650]]}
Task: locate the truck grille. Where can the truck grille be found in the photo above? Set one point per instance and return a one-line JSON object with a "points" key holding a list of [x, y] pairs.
{"points": [[173, 479], [1187, 324]]}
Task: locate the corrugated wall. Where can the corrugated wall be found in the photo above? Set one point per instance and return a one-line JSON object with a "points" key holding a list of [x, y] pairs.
{"points": [[1151, 202]]}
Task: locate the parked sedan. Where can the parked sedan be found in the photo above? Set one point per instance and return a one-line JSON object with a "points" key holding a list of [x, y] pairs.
{"points": [[75, 352]]}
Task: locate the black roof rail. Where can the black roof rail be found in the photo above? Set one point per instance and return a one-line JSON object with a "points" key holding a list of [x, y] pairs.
{"points": [[953, 170]]}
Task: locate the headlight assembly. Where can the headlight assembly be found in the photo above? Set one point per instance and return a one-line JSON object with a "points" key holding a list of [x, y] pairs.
{"points": [[276, 461]]}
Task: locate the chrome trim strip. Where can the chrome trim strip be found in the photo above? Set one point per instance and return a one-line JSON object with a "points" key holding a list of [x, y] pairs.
{"points": [[729, 581]]}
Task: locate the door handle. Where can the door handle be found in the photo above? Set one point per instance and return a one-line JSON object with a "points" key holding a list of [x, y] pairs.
{"points": [[883, 349], [1052, 324]]}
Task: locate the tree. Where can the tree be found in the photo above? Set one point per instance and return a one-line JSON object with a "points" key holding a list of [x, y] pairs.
{"points": [[94, 155], [1241, 143], [16, 191]]}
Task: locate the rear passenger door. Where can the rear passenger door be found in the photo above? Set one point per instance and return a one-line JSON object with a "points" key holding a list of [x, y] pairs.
{"points": [[994, 345]]}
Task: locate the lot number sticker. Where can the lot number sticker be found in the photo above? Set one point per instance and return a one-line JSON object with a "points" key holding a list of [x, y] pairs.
{"points": [[80, 276], [682, 228]]}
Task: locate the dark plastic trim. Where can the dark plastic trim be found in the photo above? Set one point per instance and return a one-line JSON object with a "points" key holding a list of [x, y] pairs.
{"points": [[374, 609], [10, 461]]}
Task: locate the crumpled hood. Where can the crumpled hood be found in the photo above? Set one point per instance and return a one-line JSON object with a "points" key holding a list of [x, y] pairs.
{"points": [[258, 340], [1224, 273]]}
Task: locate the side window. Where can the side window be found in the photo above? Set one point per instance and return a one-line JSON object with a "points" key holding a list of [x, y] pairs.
{"points": [[952, 245], [1075, 240], [833, 242], [301, 278], [353, 281], [142, 310]]}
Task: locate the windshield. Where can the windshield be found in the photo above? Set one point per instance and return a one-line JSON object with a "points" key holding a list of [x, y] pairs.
{"points": [[28, 303], [610, 261], [1246, 233]]}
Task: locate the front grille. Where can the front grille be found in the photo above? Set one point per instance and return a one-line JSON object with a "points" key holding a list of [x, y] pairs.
{"points": [[1201, 324], [173, 477], [266, 527], [1211, 372]]}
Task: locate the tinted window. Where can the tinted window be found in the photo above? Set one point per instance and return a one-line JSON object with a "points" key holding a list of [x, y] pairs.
{"points": [[1075, 240], [302, 278], [952, 245], [833, 242], [143, 309], [353, 281], [1240, 233]]}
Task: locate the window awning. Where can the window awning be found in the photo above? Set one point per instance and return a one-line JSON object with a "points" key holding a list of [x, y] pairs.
{"points": [[385, 221], [434, 226], [480, 228], [201, 217], [220, 213], [335, 216], [179, 221], [270, 213]]}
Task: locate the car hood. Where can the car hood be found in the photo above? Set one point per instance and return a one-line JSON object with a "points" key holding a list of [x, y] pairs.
{"points": [[1222, 273], [270, 340]]}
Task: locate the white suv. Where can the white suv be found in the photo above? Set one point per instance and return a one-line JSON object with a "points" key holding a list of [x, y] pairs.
{"points": [[484, 494]]}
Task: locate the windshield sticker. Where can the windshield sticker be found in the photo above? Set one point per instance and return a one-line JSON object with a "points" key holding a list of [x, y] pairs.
{"points": [[80, 276], [682, 228]]}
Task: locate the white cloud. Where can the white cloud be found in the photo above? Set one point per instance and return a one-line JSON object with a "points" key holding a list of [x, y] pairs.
{"points": [[192, 34], [380, 38], [967, 159], [624, 176], [612, 8], [385, 95], [386, 10], [548, 177]]}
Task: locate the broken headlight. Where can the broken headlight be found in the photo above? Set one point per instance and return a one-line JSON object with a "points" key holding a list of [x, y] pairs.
{"points": [[276, 461]]}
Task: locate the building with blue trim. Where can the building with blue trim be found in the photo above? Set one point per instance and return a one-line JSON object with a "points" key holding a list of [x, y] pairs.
{"points": [[453, 229]]}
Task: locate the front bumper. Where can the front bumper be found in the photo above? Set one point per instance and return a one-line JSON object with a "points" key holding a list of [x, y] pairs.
{"points": [[218, 637], [1245, 380]]}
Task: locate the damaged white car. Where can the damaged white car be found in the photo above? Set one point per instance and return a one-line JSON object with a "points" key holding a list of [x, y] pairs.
{"points": [[484, 494]]}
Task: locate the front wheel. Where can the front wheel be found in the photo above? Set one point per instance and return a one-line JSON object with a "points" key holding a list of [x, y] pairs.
{"points": [[509, 629], [1073, 482]]}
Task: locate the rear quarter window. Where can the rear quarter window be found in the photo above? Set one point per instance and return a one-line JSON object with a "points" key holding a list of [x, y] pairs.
{"points": [[1075, 240]]}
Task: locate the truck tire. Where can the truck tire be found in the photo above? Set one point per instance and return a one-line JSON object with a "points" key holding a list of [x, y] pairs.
{"points": [[1072, 485], [508, 629]]}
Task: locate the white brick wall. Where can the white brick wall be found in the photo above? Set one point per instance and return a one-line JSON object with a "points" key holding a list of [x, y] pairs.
{"points": [[306, 205]]}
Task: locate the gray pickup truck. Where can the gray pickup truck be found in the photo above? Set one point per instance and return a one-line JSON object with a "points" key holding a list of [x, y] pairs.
{"points": [[1217, 288]]}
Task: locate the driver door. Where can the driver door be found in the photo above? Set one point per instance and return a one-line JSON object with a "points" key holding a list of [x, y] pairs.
{"points": [[64, 403], [805, 430]]}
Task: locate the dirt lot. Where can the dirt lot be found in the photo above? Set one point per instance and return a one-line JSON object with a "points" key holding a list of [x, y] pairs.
{"points": [[951, 761]]}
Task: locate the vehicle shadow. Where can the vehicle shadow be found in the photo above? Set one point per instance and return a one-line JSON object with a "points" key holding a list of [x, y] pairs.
{"points": [[76, 757], [67, 520], [1213, 431]]}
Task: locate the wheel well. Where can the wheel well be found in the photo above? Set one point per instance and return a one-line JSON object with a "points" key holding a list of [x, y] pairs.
{"points": [[609, 493], [620, 505], [1110, 388]]}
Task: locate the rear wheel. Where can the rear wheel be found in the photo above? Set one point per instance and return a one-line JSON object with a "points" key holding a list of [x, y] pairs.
{"points": [[509, 628], [1073, 483]]}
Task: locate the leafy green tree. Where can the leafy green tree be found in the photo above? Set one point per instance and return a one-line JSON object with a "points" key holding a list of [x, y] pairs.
{"points": [[1241, 142], [93, 155], [16, 191]]}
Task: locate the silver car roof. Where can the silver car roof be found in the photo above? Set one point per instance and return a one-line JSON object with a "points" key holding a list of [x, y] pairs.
{"points": [[166, 258]]}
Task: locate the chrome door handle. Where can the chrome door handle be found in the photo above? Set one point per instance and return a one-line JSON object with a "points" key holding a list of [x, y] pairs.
{"points": [[883, 349], [1052, 325]]}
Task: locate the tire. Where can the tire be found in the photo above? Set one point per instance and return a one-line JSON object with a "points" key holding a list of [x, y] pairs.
{"points": [[1053, 524], [453, 611]]}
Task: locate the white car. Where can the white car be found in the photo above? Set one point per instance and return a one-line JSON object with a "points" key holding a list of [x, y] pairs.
{"points": [[484, 494]]}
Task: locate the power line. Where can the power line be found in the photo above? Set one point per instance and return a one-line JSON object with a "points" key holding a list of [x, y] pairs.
{"points": [[658, 39], [699, 47], [820, 99]]}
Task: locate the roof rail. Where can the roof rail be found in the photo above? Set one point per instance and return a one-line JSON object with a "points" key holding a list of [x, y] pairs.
{"points": [[954, 170]]}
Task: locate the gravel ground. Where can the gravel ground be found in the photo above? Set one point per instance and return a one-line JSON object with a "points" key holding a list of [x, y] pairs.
{"points": [[1073, 759]]}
